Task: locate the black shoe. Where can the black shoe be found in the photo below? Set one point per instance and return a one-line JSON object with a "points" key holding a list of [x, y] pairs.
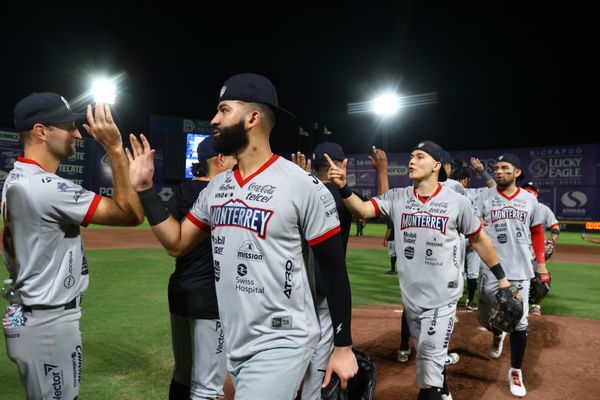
{"points": [[391, 272]]}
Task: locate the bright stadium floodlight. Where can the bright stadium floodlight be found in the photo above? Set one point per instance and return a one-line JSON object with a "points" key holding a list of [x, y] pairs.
{"points": [[386, 105], [104, 91]]}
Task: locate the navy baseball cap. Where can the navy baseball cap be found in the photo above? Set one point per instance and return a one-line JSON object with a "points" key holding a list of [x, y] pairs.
{"points": [[44, 108], [253, 88], [206, 150], [510, 158], [530, 185], [437, 152], [446, 157], [333, 150]]}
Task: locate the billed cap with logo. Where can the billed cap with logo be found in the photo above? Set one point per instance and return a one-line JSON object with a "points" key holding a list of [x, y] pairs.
{"points": [[206, 149], [253, 88], [436, 152], [333, 150], [510, 158], [44, 108]]}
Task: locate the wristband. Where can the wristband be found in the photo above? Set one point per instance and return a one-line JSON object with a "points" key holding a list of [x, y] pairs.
{"points": [[153, 207], [498, 271], [345, 192], [485, 176]]}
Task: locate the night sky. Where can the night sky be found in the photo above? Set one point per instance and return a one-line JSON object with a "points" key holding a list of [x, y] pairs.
{"points": [[504, 76]]}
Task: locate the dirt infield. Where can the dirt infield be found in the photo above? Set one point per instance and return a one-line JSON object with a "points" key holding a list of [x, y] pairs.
{"points": [[562, 360]]}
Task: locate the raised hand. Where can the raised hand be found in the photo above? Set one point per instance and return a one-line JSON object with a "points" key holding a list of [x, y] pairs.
{"points": [[102, 127], [379, 160], [476, 165], [302, 161], [141, 163], [336, 174]]}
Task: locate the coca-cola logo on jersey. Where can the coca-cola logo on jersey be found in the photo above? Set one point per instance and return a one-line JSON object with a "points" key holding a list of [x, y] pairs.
{"points": [[265, 189]]}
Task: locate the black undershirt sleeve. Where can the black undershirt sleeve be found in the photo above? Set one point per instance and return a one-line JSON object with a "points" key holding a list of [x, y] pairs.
{"points": [[330, 256]]}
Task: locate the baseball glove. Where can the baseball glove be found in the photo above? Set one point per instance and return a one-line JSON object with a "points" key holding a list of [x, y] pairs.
{"points": [[548, 248], [539, 287], [361, 387], [508, 310]]}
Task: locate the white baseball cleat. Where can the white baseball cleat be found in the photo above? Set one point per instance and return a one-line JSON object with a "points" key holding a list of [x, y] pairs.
{"points": [[447, 396], [404, 355], [452, 358], [497, 344], [515, 379]]}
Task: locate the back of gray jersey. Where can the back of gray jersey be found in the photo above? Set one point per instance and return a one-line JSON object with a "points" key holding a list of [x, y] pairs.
{"points": [[260, 227], [427, 241], [42, 212], [549, 220], [508, 222], [454, 185]]}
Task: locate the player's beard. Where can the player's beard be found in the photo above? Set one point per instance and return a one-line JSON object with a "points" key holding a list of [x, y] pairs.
{"points": [[505, 182], [232, 139]]}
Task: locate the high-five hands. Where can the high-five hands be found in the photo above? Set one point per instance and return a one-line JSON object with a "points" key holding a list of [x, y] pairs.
{"points": [[102, 127], [141, 163]]}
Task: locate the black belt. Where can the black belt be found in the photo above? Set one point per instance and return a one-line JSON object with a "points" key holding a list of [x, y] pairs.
{"points": [[69, 306]]}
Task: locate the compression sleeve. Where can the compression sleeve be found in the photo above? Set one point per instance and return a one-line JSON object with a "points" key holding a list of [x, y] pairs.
{"points": [[537, 241], [330, 257]]}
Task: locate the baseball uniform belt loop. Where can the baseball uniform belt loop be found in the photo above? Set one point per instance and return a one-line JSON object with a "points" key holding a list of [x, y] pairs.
{"points": [[69, 306]]}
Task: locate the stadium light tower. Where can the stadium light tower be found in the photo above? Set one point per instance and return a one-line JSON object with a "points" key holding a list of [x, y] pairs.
{"points": [[104, 91], [386, 106]]}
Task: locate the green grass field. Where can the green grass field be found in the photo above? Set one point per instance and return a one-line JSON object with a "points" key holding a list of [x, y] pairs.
{"points": [[373, 229], [125, 322]]}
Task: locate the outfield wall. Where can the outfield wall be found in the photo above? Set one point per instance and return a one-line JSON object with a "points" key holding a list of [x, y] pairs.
{"points": [[566, 175]]}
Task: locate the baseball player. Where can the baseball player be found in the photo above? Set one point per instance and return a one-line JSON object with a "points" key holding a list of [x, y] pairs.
{"points": [[261, 216], [461, 175], [549, 222], [42, 215], [428, 218], [311, 387], [380, 164], [196, 331], [513, 222]]}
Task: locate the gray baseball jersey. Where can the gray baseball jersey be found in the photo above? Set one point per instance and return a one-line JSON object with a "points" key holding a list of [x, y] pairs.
{"points": [[549, 220], [454, 185], [43, 213], [427, 242], [508, 221], [260, 227]]}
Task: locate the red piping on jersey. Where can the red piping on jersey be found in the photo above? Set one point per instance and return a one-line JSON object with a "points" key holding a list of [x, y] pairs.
{"points": [[377, 210], [537, 242], [470, 235], [324, 236], [91, 211], [198, 223], [29, 161], [423, 199], [238, 175], [507, 197]]}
